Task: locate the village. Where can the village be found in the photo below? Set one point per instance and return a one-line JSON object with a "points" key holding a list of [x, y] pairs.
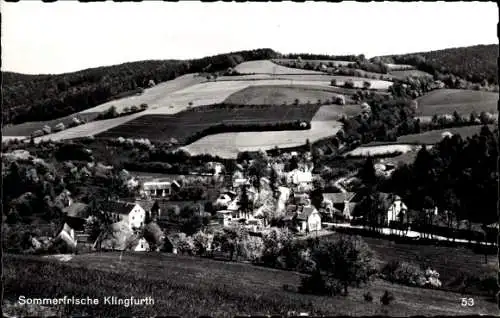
{"points": [[282, 199]]}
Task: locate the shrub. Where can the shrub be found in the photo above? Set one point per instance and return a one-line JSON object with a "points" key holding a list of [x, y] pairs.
{"points": [[349, 84], [404, 273], [333, 82], [387, 298], [368, 297], [144, 106]]}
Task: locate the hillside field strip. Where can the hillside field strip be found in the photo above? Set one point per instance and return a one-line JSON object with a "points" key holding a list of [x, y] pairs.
{"points": [[435, 136], [193, 286], [151, 95], [278, 95], [27, 128], [446, 101], [316, 62], [402, 74], [227, 145], [378, 150], [184, 125], [268, 67], [399, 67]]}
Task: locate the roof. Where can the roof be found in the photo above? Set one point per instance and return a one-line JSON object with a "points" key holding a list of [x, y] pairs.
{"points": [[291, 208], [147, 205], [306, 213], [339, 197], [119, 207], [77, 210], [289, 215], [154, 185]]}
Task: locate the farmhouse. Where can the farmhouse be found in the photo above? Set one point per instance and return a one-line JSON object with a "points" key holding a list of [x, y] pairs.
{"points": [[309, 219], [393, 205], [301, 180], [158, 188], [130, 213], [340, 202]]}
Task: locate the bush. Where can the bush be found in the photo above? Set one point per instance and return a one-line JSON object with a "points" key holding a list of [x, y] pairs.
{"points": [[387, 298], [368, 297], [349, 84]]}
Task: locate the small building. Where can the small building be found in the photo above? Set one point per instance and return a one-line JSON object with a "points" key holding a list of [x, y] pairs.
{"points": [[309, 219], [339, 202], [393, 206], [141, 246], [224, 217], [156, 188], [131, 213]]}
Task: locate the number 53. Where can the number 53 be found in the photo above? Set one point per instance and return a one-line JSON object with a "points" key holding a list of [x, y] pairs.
{"points": [[467, 302]]}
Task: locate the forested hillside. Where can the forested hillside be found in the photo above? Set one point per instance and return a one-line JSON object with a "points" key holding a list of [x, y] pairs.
{"points": [[46, 97], [474, 63]]}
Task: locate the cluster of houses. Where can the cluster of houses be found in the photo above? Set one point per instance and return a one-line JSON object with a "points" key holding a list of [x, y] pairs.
{"points": [[292, 203]]}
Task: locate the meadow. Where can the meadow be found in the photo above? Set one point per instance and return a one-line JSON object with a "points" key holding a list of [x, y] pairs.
{"points": [[279, 95], [182, 126], [268, 67], [399, 67], [27, 128], [227, 145], [402, 74], [435, 136], [316, 62], [192, 286], [378, 150], [446, 101]]}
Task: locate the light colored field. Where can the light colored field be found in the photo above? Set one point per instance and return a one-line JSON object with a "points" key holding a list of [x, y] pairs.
{"points": [[435, 136], [315, 62], [227, 145], [150, 96], [268, 67], [409, 73], [8, 138], [446, 101], [365, 151], [277, 95], [399, 67], [88, 129]]}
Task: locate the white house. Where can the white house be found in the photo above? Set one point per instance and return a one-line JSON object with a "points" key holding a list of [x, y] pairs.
{"points": [[395, 209], [309, 219], [131, 213], [301, 180], [142, 245], [156, 188], [224, 217], [339, 202]]}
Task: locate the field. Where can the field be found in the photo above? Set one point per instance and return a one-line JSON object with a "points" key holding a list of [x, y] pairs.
{"points": [[377, 150], [402, 74], [227, 145], [151, 96], [184, 125], [446, 101], [191, 286], [399, 67], [26, 129], [277, 95], [268, 67], [448, 261], [316, 62], [435, 136]]}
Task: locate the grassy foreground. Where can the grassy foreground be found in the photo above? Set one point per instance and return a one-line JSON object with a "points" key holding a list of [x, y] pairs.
{"points": [[191, 286]]}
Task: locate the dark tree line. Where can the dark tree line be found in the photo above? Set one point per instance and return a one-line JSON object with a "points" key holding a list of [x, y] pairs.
{"points": [[46, 97], [458, 176], [474, 64]]}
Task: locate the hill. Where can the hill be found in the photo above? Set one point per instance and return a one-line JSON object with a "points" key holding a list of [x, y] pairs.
{"points": [[472, 63], [45, 97], [192, 286]]}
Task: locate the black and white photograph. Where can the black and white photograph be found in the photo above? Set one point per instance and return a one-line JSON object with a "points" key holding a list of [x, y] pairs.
{"points": [[238, 159]]}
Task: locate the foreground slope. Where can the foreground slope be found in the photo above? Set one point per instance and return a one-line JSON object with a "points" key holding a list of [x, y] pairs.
{"points": [[192, 286]]}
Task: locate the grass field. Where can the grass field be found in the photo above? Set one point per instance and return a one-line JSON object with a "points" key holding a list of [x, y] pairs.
{"points": [[377, 150], [277, 95], [402, 74], [184, 125], [446, 101], [435, 136], [191, 286], [316, 62], [151, 96], [399, 67], [227, 145], [268, 67], [26, 129]]}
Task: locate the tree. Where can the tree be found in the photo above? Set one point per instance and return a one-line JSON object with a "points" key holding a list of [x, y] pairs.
{"points": [[367, 173], [367, 84], [244, 201], [345, 260], [273, 182]]}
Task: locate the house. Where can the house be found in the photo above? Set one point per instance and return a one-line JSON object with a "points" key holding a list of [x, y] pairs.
{"points": [[141, 246], [340, 202], [301, 198], [158, 188], [392, 205], [131, 213], [309, 219], [238, 182], [301, 180], [224, 217]]}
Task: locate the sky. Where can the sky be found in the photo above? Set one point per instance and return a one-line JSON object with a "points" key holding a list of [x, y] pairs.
{"points": [[66, 36]]}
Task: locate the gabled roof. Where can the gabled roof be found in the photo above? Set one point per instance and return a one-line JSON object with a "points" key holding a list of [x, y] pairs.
{"points": [[146, 204], [306, 212], [77, 210], [339, 197], [119, 207]]}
